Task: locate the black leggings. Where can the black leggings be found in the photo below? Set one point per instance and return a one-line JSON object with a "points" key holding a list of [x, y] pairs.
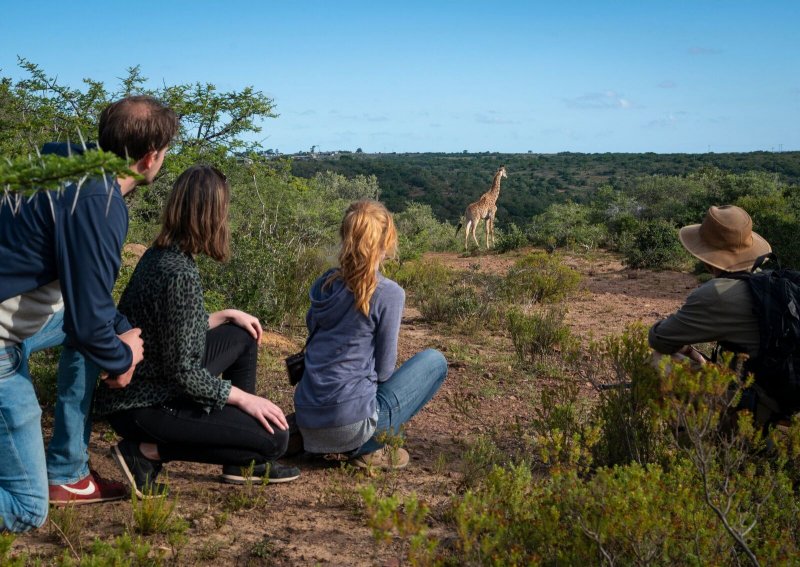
{"points": [[184, 431]]}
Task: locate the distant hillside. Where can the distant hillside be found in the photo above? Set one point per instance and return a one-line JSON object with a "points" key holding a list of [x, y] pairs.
{"points": [[449, 182]]}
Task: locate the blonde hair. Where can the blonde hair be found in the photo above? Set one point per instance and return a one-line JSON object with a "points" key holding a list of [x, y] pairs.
{"points": [[368, 236], [195, 217]]}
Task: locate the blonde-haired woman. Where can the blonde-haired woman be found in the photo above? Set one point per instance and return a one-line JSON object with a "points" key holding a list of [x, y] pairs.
{"points": [[351, 396], [175, 407]]}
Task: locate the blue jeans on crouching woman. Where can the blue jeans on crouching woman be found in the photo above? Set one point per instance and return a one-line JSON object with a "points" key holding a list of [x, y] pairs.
{"points": [[407, 391]]}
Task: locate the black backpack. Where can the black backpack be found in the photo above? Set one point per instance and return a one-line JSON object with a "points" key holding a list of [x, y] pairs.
{"points": [[776, 302]]}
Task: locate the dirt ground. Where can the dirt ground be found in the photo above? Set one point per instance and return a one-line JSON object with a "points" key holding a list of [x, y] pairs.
{"points": [[318, 519]]}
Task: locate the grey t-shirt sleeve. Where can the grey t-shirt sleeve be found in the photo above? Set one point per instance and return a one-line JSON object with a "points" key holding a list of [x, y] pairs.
{"points": [[389, 301]]}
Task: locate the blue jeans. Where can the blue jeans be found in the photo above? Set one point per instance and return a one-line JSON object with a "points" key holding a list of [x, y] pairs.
{"points": [[405, 393], [24, 468]]}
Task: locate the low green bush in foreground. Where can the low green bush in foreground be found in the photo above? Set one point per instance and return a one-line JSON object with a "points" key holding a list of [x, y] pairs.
{"points": [[711, 488]]}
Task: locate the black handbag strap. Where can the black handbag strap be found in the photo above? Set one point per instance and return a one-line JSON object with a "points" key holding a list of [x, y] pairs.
{"points": [[311, 334]]}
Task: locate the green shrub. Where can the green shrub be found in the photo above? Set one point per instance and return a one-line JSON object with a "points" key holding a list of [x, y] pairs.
{"points": [[540, 277], [720, 494], [537, 334], [655, 245], [462, 305], [559, 433], [405, 517], [628, 388], [511, 239], [419, 231], [775, 217], [420, 277], [567, 224]]}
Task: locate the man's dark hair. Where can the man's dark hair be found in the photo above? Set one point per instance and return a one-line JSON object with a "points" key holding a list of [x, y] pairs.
{"points": [[135, 125]]}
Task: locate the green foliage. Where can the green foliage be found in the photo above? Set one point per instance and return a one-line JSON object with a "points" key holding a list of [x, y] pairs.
{"points": [[336, 186], [468, 300], [715, 492], [449, 182], [567, 224], [463, 305], [540, 277], [251, 494], [655, 245], [6, 541], [421, 277], [403, 516], [213, 126], [559, 433], [775, 217], [511, 239], [538, 333], [121, 551], [628, 386], [23, 175], [418, 232], [155, 513]]}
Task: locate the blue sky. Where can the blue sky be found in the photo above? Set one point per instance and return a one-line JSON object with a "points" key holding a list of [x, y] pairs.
{"points": [[621, 76]]}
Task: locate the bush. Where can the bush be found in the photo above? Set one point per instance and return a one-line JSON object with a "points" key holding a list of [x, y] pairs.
{"points": [[716, 498], [418, 231], [628, 386], [567, 224], [421, 277], [655, 245], [540, 277], [536, 334], [462, 305], [511, 239]]}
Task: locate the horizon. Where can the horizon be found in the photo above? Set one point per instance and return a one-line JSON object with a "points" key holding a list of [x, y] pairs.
{"points": [[506, 77]]}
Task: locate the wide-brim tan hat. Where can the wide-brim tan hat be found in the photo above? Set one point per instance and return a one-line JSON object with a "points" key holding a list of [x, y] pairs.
{"points": [[725, 239]]}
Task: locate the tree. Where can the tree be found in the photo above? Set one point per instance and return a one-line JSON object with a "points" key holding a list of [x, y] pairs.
{"points": [[214, 124]]}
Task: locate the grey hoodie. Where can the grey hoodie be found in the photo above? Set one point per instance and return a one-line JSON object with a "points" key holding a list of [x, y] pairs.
{"points": [[348, 354]]}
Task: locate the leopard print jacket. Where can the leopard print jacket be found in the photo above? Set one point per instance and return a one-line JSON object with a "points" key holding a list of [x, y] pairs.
{"points": [[165, 299]]}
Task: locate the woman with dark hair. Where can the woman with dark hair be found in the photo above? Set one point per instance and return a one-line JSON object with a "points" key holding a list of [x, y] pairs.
{"points": [[351, 398], [175, 407]]}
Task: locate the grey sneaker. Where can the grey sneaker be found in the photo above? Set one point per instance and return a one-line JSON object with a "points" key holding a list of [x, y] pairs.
{"points": [[275, 472], [385, 458]]}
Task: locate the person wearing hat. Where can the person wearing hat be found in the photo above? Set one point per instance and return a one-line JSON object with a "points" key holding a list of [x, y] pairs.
{"points": [[720, 310]]}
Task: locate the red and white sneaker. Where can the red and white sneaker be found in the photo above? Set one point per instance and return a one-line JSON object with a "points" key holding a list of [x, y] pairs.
{"points": [[88, 490]]}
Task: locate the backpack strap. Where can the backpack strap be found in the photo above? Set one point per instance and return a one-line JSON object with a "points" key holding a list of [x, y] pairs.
{"points": [[763, 258]]}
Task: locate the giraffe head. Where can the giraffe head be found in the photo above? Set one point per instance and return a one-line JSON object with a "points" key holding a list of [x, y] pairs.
{"points": [[502, 171]]}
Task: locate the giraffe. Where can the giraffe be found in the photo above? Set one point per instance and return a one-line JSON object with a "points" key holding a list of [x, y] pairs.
{"points": [[483, 208]]}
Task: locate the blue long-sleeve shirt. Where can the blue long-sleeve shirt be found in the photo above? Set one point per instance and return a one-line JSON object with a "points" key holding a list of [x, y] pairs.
{"points": [[46, 240]]}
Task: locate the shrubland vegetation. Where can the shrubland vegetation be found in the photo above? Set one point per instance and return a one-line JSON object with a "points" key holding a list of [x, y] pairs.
{"points": [[648, 466]]}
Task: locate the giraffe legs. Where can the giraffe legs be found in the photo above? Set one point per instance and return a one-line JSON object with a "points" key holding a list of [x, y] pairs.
{"points": [[474, 230]]}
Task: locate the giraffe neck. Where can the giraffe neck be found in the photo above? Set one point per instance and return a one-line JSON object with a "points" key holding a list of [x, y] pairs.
{"points": [[495, 190]]}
